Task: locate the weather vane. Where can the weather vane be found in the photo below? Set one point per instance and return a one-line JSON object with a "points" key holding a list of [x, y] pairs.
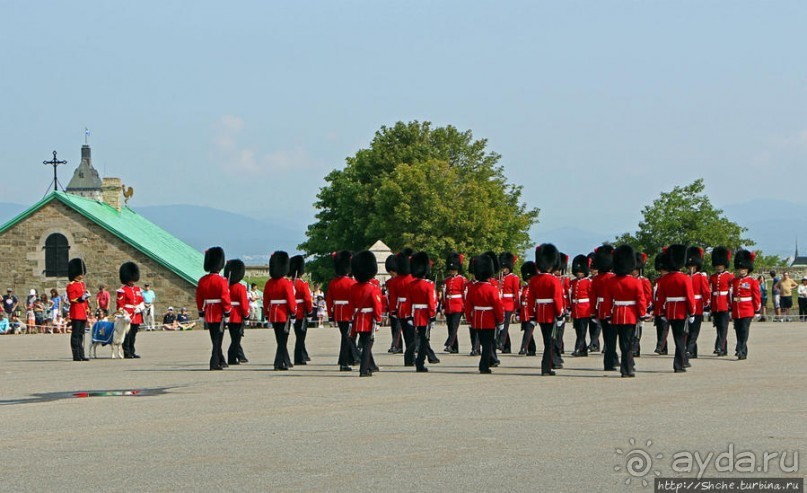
{"points": [[55, 162]]}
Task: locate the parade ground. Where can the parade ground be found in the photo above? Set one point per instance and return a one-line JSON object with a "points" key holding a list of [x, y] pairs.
{"points": [[313, 428]]}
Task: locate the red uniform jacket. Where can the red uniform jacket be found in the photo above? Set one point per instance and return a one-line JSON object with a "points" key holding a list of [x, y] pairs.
{"points": [[523, 307], [648, 292], [483, 306], [566, 284], [279, 302], [364, 301], [454, 294], [580, 297], [625, 299], [239, 302], [510, 287], [212, 297], [78, 307], [598, 287], [676, 301], [392, 294], [700, 288], [302, 295], [422, 301], [130, 299], [401, 307], [545, 300], [746, 298], [337, 298], [720, 285]]}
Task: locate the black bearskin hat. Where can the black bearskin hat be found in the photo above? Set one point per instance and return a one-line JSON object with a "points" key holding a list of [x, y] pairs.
{"points": [[214, 259], [695, 257], [660, 262], [278, 265], [234, 271], [721, 256], [75, 268], [389, 264], [364, 266], [402, 261], [495, 259], [341, 262], [676, 256], [624, 260], [563, 263], [641, 260], [744, 259], [129, 272], [604, 258], [454, 261], [420, 264], [483, 267], [297, 266], [528, 270], [580, 264], [508, 260], [546, 257]]}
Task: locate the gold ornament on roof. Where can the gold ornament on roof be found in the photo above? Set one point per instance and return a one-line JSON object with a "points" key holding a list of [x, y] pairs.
{"points": [[127, 193]]}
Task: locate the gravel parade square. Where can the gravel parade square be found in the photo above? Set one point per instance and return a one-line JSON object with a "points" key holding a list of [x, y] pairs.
{"points": [[248, 428]]}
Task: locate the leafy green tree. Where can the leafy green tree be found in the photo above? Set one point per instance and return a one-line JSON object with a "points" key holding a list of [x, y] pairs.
{"points": [[685, 215], [434, 190]]}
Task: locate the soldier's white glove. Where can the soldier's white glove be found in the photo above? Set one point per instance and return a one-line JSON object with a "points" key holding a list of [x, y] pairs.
{"points": [[532, 324], [560, 321], [692, 319]]}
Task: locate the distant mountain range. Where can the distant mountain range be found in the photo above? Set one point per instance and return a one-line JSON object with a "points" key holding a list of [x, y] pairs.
{"points": [[773, 224]]}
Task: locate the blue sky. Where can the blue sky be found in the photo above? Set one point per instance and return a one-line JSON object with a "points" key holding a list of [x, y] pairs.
{"points": [[595, 106]]}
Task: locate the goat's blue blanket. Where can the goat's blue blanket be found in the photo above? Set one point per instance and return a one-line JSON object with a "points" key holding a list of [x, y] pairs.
{"points": [[102, 332]]}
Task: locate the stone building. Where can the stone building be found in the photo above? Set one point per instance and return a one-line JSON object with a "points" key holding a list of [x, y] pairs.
{"points": [[97, 227]]}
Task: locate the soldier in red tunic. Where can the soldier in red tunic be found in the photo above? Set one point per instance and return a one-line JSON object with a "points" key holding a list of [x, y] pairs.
{"points": [[421, 307], [337, 298], [676, 302], [638, 273], [603, 260], [305, 306], [392, 295], [528, 271], [580, 302], [78, 295], [280, 306], [720, 286], [661, 322], [625, 303], [700, 289], [594, 327], [453, 300], [213, 303], [510, 286], [365, 303], [565, 284], [130, 299], [483, 308], [545, 302], [494, 281], [746, 300], [404, 277], [234, 271]]}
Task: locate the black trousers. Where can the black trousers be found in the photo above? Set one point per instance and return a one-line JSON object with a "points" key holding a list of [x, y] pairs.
{"points": [[637, 339], [300, 331], [528, 339], [742, 326], [549, 347], [423, 345], [692, 338], [486, 339], [282, 359], [662, 331], [626, 334], [128, 345], [345, 355], [395, 325], [557, 359], [216, 338], [680, 338], [366, 340], [803, 309], [594, 330], [453, 322], [504, 335], [721, 321], [475, 342], [410, 341], [234, 352], [610, 360], [77, 339], [580, 325]]}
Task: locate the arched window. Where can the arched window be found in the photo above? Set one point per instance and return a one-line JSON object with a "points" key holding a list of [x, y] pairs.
{"points": [[56, 255]]}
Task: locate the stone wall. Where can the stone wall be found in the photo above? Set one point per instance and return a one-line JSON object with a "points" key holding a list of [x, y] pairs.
{"points": [[22, 261]]}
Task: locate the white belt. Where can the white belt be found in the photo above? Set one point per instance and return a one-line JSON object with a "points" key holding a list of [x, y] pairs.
{"points": [[277, 302], [720, 293], [698, 297], [235, 303], [401, 299], [299, 301], [419, 306], [135, 306], [581, 300], [508, 295], [676, 299], [366, 310], [454, 296], [624, 303], [340, 302], [210, 301], [544, 301], [743, 298], [600, 299], [482, 308]]}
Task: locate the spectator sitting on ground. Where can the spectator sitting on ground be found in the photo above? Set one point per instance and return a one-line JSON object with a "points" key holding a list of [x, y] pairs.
{"points": [[170, 320], [16, 325], [5, 328], [184, 320]]}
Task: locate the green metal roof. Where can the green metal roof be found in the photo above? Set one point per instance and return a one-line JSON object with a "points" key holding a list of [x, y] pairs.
{"points": [[148, 238]]}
